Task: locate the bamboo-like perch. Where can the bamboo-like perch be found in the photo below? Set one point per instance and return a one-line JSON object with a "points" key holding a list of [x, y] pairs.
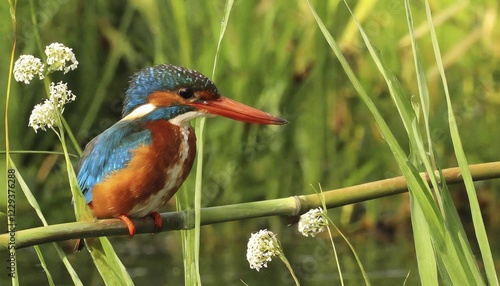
{"points": [[291, 206]]}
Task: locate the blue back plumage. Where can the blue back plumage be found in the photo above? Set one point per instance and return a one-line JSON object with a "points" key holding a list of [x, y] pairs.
{"points": [[163, 78], [109, 152]]}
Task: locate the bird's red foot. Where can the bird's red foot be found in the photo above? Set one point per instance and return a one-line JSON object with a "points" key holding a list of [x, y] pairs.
{"points": [[158, 220], [129, 223]]}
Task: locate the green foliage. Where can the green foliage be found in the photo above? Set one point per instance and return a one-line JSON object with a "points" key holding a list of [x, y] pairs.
{"points": [[438, 231], [274, 57], [477, 218]]}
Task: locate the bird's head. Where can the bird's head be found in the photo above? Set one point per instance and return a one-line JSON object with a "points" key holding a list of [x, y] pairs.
{"points": [[179, 95]]}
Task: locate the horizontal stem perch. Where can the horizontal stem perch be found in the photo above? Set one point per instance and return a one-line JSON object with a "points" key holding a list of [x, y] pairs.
{"points": [[286, 206]]}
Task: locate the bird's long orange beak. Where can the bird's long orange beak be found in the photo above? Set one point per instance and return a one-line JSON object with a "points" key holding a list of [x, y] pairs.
{"points": [[229, 108]]}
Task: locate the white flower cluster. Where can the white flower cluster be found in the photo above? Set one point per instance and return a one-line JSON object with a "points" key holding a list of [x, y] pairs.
{"points": [[27, 67], [60, 94], [313, 222], [59, 58], [46, 114], [262, 247]]}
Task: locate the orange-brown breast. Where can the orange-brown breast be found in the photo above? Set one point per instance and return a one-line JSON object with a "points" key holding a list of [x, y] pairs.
{"points": [[151, 178]]}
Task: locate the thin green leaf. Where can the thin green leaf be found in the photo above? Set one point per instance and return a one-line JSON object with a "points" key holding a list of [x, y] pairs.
{"points": [[384, 128], [423, 245], [67, 264], [43, 264], [421, 80], [107, 262], [12, 6], [34, 204], [453, 253], [360, 264], [192, 237], [227, 12], [325, 209], [450, 253], [28, 194], [477, 219], [427, 157]]}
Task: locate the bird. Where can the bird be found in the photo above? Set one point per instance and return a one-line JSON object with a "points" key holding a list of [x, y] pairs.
{"points": [[135, 166]]}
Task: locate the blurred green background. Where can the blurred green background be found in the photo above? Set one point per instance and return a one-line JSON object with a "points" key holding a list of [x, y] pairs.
{"points": [[272, 57]]}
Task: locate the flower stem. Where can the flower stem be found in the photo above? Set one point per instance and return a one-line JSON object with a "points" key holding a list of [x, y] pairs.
{"points": [[336, 256], [287, 264], [71, 136], [12, 252]]}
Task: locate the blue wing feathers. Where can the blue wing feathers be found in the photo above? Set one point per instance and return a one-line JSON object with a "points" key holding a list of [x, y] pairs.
{"points": [[108, 152]]}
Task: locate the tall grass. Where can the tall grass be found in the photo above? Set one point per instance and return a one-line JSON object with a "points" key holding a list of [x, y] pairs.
{"points": [[440, 240], [274, 57]]}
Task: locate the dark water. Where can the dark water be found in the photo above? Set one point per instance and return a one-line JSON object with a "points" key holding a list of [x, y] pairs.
{"points": [[385, 249], [158, 259]]}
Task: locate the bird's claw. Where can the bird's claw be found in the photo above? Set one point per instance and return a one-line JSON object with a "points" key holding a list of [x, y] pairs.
{"points": [[158, 220], [129, 223]]}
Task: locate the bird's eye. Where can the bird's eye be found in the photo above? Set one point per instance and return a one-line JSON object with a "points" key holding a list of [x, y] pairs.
{"points": [[186, 93]]}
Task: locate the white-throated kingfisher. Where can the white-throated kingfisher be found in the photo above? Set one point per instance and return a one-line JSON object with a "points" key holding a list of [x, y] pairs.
{"points": [[134, 167]]}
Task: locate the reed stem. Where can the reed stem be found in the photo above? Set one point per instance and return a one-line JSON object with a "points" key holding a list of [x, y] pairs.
{"points": [[290, 206]]}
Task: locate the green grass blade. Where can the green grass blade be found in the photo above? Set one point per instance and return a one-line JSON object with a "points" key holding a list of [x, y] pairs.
{"points": [[189, 238], [107, 262], [477, 219], [362, 11], [227, 12], [353, 250], [192, 237], [28, 194], [43, 264], [34, 204], [12, 8], [420, 75], [361, 267], [384, 128], [426, 259], [454, 252], [449, 252], [82, 212], [200, 129], [426, 156]]}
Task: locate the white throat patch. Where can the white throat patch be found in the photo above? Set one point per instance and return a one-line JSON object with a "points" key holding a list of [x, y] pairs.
{"points": [[183, 119]]}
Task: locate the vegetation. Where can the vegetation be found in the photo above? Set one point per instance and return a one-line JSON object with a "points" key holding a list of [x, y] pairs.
{"points": [[279, 57]]}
